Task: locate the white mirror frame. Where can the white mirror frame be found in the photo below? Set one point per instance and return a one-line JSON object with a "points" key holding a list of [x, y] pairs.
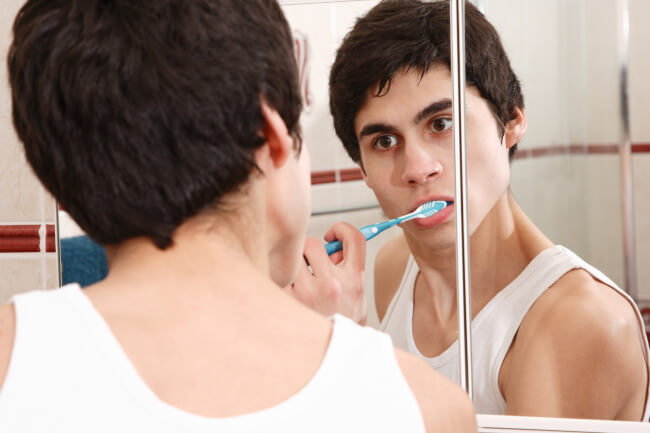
{"points": [[529, 424]]}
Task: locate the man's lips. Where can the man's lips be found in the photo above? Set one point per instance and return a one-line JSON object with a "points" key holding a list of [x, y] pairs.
{"points": [[437, 218]]}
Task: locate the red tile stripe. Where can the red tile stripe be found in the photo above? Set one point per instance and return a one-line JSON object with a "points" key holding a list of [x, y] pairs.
{"points": [[641, 148], [25, 238], [578, 149], [20, 239], [349, 174], [50, 239], [325, 176], [333, 176]]}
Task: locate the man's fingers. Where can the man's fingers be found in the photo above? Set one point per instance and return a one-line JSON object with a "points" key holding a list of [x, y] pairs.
{"points": [[354, 244], [316, 255], [337, 257]]}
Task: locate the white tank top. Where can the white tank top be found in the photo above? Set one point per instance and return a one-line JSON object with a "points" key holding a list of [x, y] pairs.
{"points": [[495, 326], [68, 374]]}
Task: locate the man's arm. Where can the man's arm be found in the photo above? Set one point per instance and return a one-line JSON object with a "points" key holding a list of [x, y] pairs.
{"points": [[7, 331], [577, 354], [390, 264], [444, 405]]}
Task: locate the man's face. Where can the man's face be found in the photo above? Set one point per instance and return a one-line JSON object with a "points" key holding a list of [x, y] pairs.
{"points": [[407, 151]]}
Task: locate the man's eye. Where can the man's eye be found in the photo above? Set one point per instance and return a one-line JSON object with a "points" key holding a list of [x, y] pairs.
{"points": [[385, 142], [440, 125]]}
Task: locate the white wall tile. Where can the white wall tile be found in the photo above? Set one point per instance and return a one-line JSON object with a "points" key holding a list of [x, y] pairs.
{"points": [[639, 71], [19, 274], [51, 280], [20, 190], [604, 216], [342, 195]]}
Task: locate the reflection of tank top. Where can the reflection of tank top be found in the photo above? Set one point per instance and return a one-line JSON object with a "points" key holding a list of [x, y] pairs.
{"points": [[69, 374], [495, 326]]}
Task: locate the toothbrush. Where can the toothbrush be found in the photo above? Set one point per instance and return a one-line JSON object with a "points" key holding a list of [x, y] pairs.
{"points": [[425, 210]]}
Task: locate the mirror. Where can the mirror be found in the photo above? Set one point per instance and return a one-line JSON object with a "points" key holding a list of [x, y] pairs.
{"points": [[572, 175], [566, 175]]}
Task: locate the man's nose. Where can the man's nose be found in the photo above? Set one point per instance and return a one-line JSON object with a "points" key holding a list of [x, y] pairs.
{"points": [[420, 165]]}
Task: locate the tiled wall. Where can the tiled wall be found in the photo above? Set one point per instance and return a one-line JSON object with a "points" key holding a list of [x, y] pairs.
{"points": [[27, 212], [565, 55], [569, 177]]}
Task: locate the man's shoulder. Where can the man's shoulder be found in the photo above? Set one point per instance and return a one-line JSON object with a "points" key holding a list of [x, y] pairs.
{"points": [[390, 264], [580, 334], [7, 331], [444, 405], [576, 301]]}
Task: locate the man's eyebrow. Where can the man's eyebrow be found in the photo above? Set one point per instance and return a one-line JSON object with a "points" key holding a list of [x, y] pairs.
{"points": [[433, 108], [373, 128]]}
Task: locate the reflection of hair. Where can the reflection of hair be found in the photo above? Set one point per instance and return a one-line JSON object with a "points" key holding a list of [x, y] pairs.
{"points": [[139, 115], [415, 34]]}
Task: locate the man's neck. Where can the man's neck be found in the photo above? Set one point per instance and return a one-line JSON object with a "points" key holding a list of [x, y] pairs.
{"points": [[204, 266], [500, 248]]}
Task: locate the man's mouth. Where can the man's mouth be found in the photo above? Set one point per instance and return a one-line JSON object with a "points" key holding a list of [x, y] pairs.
{"points": [[439, 217]]}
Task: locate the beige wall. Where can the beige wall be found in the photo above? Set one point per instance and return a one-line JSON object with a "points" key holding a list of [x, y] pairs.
{"points": [[566, 55], [22, 199]]}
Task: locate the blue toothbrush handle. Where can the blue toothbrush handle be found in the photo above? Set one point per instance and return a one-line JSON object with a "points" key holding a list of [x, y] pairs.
{"points": [[369, 232], [332, 247]]}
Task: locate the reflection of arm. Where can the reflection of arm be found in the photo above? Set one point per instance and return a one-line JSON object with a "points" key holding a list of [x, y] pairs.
{"points": [[577, 354], [7, 330], [443, 404], [390, 264]]}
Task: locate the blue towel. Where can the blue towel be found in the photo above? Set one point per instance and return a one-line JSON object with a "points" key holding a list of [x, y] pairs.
{"points": [[82, 261]]}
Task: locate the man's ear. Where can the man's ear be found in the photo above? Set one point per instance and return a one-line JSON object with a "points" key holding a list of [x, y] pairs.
{"points": [[516, 128], [278, 144]]}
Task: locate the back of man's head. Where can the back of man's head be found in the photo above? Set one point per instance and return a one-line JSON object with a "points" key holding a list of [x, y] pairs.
{"points": [[414, 34], [139, 115]]}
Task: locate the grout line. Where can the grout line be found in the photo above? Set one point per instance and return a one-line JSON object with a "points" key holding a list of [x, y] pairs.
{"points": [[30, 223], [24, 255]]}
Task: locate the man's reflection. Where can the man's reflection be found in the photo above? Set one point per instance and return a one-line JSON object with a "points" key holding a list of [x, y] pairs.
{"points": [[552, 335]]}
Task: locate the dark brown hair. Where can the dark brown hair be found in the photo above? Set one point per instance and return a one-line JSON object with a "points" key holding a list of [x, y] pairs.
{"points": [[139, 115], [414, 34]]}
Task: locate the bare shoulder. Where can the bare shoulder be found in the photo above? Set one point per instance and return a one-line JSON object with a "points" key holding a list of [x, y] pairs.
{"points": [[579, 304], [7, 331], [579, 335], [390, 264], [444, 405]]}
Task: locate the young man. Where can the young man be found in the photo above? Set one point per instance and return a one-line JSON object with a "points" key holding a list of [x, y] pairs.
{"points": [[169, 131], [552, 336]]}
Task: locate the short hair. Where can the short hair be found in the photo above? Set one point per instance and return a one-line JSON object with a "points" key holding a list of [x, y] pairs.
{"points": [[139, 115], [413, 34]]}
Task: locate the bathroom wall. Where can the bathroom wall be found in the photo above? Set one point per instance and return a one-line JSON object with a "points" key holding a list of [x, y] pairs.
{"points": [[566, 176], [27, 212]]}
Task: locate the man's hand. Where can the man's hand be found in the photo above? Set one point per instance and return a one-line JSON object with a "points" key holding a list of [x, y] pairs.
{"points": [[334, 284]]}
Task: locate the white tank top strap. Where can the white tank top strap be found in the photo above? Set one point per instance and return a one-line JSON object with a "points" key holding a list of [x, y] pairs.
{"points": [[404, 293], [67, 367]]}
